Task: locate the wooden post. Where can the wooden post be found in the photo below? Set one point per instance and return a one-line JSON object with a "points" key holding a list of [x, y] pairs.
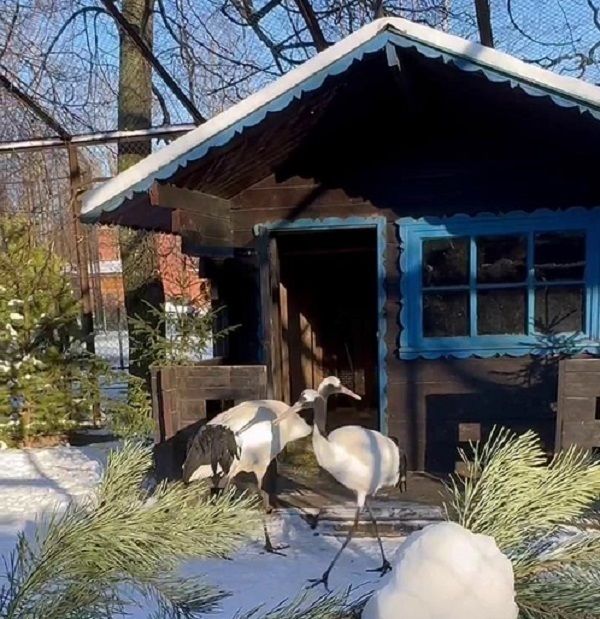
{"points": [[484, 22], [285, 350], [81, 248], [274, 310], [83, 260], [306, 353], [558, 438]]}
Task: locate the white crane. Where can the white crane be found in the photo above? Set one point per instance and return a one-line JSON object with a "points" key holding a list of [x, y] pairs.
{"points": [[362, 460], [245, 439]]}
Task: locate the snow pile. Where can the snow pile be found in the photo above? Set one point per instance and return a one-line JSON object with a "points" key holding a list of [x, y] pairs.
{"points": [[446, 572]]}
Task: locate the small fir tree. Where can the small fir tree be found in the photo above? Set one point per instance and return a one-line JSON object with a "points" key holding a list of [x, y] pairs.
{"points": [[178, 336], [41, 351]]}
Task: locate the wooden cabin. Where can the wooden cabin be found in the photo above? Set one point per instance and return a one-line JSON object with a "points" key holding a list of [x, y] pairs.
{"points": [[408, 210]]}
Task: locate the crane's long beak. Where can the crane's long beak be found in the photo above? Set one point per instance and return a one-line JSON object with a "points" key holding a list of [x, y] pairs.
{"points": [[350, 393], [295, 408]]}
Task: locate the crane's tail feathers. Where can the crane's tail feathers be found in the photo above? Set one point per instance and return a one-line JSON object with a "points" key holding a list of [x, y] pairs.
{"points": [[402, 466], [213, 445]]}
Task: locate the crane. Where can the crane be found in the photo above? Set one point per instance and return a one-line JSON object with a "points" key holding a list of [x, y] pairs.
{"points": [[362, 460], [244, 438]]}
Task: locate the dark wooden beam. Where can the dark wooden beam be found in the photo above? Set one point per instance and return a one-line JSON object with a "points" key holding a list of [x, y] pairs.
{"points": [[199, 218], [202, 230], [170, 196]]}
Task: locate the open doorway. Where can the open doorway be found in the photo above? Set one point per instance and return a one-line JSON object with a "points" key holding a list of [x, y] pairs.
{"points": [[328, 318]]}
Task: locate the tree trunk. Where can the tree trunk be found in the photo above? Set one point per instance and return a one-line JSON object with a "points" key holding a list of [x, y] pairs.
{"points": [[484, 22], [141, 276]]}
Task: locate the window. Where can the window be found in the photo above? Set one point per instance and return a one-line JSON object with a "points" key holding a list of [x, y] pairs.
{"points": [[498, 284]]}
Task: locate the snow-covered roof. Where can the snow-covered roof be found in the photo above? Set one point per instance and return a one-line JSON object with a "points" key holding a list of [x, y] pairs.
{"points": [[466, 55]]}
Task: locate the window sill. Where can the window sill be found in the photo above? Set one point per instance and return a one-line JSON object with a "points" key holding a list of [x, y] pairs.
{"points": [[450, 347]]}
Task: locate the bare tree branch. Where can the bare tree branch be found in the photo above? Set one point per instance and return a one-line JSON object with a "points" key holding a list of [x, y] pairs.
{"points": [[40, 112], [153, 60], [312, 24], [11, 30], [484, 22]]}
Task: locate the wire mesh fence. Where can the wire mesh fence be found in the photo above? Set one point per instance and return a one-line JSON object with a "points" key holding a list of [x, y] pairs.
{"points": [[35, 184], [220, 66]]}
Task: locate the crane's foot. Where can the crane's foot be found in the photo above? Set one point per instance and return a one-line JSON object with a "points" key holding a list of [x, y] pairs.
{"points": [[383, 569], [315, 582], [276, 550]]}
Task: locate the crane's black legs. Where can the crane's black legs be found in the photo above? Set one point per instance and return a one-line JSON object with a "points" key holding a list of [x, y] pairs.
{"points": [[385, 566], [325, 578], [275, 550], [267, 488]]}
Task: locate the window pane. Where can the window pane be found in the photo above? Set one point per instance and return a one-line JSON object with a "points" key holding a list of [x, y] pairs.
{"points": [[446, 262], [559, 309], [501, 259], [445, 314], [502, 312], [559, 256]]}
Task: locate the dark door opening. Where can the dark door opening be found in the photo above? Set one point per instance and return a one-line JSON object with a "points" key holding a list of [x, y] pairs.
{"points": [[328, 318]]}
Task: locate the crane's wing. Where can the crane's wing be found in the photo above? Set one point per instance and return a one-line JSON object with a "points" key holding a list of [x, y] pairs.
{"points": [[248, 413]]}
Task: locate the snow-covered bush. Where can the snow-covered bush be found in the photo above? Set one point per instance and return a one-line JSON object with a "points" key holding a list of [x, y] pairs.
{"points": [[446, 572]]}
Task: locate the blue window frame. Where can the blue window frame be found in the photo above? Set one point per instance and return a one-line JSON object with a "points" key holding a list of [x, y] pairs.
{"points": [[511, 284]]}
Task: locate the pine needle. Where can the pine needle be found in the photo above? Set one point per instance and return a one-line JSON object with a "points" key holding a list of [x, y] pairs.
{"points": [[538, 513], [329, 606], [85, 562]]}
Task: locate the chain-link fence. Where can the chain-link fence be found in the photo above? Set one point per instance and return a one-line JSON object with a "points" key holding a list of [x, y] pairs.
{"points": [[35, 183], [36, 177]]}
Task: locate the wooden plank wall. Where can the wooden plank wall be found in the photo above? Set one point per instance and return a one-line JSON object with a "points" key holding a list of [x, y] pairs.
{"points": [[181, 393], [579, 403], [416, 390]]}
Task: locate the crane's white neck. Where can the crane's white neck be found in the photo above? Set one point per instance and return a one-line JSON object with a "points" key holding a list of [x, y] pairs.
{"points": [[320, 410]]}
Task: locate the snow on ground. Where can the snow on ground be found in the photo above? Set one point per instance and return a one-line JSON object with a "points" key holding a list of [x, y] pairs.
{"points": [[33, 481]]}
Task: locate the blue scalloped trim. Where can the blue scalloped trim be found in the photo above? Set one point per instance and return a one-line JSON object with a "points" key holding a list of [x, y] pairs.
{"points": [[338, 223], [494, 75], [487, 353], [315, 81], [251, 120], [410, 348]]}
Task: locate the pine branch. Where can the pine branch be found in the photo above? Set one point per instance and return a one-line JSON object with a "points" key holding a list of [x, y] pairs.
{"points": [[539, 516], [85, 561], [328, 606]]}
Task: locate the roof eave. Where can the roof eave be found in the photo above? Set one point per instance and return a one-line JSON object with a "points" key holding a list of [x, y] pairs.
{"points": [[466, 55]]}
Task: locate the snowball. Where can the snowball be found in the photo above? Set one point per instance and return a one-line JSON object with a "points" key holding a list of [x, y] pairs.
{"points": [[16, 317], [446, 572]]}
